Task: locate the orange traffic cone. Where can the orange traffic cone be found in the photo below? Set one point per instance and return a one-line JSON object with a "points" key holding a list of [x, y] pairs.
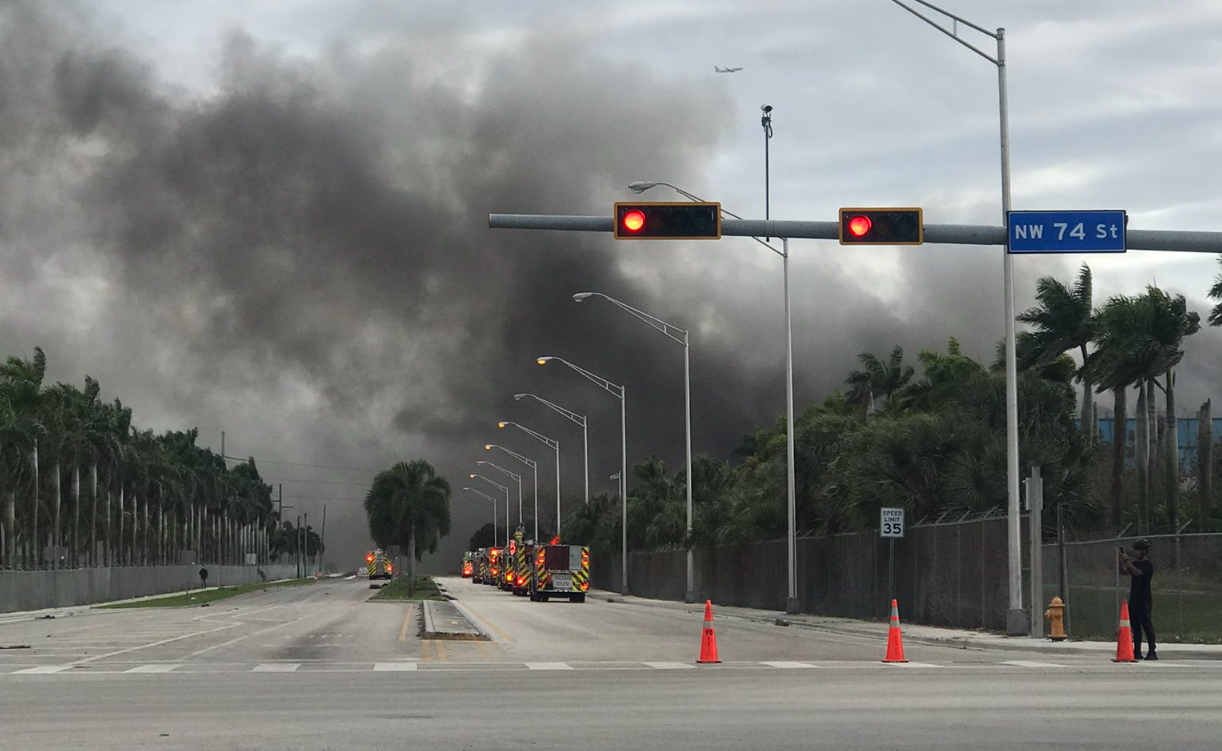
{"points": [[708, 639], [1124, 642], [895, 641]]}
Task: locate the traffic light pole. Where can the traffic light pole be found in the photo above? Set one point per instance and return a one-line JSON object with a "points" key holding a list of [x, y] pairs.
{"points": [[1178, 241]]}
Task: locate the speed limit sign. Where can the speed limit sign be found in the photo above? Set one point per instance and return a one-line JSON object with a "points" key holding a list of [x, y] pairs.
{"points": [[892, 522]]}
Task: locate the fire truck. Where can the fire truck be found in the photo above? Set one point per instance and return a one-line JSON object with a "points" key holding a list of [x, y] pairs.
{"points": [[479, 561], [379, 565], [492, 567], [509, 562], [521, 567], [467, 566], [560, 571]]}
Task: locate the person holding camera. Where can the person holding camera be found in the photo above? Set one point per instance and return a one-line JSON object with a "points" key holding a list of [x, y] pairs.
{"points": [[1140, 571]]}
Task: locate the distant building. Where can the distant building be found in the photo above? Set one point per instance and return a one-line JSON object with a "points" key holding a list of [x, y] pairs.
{"points": [[1186, 427]]}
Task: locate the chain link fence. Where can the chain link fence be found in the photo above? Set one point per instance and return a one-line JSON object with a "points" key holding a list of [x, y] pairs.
{"points": [[947, 573], [1187, 586], [950, 573]]}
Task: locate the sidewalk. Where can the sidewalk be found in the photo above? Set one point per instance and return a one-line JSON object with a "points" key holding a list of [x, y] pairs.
{"points": [[933, 635]]}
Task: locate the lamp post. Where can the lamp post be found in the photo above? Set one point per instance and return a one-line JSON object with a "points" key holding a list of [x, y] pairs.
{"points": [[620, 393], [480, 492], [580, 420], [551, 442], [791, 604], [508, 534], [676, 334], [1016, 621], [534, 468], [514, 476]]}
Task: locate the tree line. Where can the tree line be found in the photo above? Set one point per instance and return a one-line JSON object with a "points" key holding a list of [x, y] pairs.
{"points": [[934, 443], [80, 484]]}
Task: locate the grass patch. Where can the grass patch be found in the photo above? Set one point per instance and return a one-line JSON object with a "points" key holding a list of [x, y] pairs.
{"points": [[396, 589], [1179, 617], [202, 597]]}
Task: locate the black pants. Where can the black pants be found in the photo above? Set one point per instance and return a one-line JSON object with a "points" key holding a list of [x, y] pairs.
{"points": [[1139, 618]]}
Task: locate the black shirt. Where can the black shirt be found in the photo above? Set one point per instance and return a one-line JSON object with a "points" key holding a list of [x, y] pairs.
{"points": [[1139, 587]]}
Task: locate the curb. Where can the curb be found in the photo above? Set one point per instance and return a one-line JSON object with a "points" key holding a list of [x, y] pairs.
{"points": [[964, 642]]}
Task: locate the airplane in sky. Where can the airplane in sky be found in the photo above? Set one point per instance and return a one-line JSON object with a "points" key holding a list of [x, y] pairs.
{"points": [[719, 69]]}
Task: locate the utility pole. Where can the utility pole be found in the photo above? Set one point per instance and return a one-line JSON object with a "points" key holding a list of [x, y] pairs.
{"points": [[305, 537], [298, 546], [322, 540]]}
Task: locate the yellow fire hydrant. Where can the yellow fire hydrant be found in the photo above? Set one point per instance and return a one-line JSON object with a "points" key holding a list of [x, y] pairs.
{"points": [[1056, 616]]}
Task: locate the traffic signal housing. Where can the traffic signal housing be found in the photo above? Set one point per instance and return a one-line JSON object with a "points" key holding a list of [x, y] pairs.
{"points": [[668, 221], [903, 226]]}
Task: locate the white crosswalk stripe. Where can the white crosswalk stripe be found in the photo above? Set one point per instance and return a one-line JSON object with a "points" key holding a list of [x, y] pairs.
{"points": [[549, 666], [670, 665], [384, 667], [42, 670], [276, 667], [162, 667], [914, 664], [786, 664], [1033, 664]]}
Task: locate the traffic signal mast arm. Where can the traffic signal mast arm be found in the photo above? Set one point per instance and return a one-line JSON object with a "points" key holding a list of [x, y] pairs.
{"points": [[1181, 241]]}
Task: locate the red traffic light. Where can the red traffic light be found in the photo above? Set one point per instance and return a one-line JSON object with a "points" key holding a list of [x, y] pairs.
{"points": [[667, 221], [633, 221], [882, 226]]}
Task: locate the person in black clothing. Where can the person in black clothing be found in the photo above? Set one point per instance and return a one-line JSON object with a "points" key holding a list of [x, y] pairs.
{"points": [[1140, 571]]}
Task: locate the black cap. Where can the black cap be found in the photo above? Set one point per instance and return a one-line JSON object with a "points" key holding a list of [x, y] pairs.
{"points": [[1142, 544]]}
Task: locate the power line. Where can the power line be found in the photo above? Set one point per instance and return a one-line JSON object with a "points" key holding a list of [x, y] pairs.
{"points": [[304, 464], [319, 482]]}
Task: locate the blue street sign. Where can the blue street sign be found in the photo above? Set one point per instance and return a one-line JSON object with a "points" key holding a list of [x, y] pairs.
{"points": [[1067, 231]]}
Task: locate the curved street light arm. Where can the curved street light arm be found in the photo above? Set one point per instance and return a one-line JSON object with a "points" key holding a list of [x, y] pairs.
{"points": [[653, 321], [473, 490], [611, 388], [551, 442], [491, 482], [570, 414], [528, 462], [502, 469], [952, 32]]}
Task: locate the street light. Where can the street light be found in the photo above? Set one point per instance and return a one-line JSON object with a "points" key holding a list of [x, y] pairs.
{"points": [[514, 476], [534, 468], [1016, 621], [480, 492], [553, 444], [508, 534], [791, 604], [681, 336], [620, 393], [580, 420]]}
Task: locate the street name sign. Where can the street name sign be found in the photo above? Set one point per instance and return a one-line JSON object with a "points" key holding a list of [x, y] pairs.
{"points": [[1066, 231], [892, 522]]}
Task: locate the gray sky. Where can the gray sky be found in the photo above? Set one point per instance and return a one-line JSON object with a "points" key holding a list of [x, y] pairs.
{"points": [[268, 218]]}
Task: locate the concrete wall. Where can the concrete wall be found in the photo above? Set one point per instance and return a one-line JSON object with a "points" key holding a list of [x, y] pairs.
{"points": [[35, 590]]}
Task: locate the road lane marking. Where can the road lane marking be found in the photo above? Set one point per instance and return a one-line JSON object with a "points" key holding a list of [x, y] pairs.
{"points": [[407, 621], [276, 667], [157, 643], [669, 665], [482, 648], [785, 664], [914, 664], [426, 650], [390, 667], [478, 617], [441, 651], [163, 667], [42, 670], [549, 666], [1032, 664]]}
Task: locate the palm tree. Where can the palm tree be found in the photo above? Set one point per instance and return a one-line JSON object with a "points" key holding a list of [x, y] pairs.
{"points": [[878, 378], [409, 505], [1065, 320], [21, 383]]}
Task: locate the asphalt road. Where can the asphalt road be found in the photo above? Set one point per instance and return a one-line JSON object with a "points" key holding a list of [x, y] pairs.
{"points": [[319, 668]]}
